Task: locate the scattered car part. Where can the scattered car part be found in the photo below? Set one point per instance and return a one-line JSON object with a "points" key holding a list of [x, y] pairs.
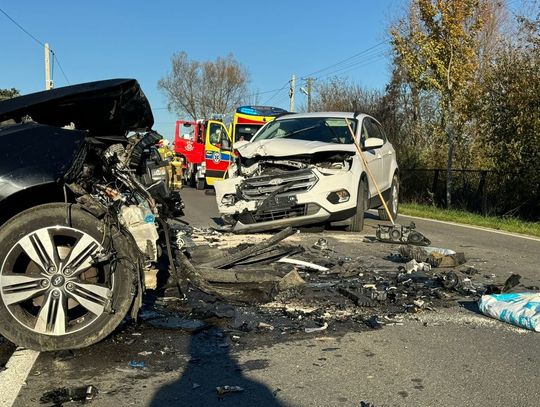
{"points": [[511, 282], [303, 264], [63, 395], [401, 234], [319, 329]]}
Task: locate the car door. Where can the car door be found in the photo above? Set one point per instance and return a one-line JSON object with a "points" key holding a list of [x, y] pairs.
{"points": [[373, 156], [386, 154], [217, 151]]}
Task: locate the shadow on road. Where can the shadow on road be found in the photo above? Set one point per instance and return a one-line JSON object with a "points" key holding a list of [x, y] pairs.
{"points": [[211, 366], [471, 306]]}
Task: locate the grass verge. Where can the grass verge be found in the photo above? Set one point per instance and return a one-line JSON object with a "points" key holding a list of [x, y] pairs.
{"points": [[453, 215]]}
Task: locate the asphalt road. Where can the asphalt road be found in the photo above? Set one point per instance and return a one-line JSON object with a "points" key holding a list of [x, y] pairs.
{"points": [[449, 357]]}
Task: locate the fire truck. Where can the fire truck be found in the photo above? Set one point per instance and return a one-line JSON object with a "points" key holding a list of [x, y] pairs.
{"points": [[206, 146]]}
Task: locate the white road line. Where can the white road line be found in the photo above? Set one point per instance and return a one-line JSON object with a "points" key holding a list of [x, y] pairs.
{"points": [[500, 232], [13, 378], [484, 229]]}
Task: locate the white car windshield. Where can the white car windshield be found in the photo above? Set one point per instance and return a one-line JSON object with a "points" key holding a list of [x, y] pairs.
{"points": [[324, 129]]}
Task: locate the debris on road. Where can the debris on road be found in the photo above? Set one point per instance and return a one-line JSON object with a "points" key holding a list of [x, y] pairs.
{"points": [[245, 287], [62, 395], [303, 264], [319, 329], [520, 309], [511, 282], [401, 234], [435, 256], [222, 390], [134, 364]]}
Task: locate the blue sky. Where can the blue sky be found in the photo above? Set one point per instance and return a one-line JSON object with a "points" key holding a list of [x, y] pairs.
{"points": [[105, 39]]}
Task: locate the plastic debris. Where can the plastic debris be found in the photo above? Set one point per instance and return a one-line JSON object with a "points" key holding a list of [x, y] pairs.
{"points": [[401, 234], [511, 282], [62, 395], [264, 325], [221, 390], [136, 364], [321, 244], [520, 309], [435, 256], [319, 329], [302, 263], [291, 280], [414, 266]]}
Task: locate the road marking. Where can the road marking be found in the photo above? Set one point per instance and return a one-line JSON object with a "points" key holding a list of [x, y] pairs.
{"points": [[500, 232], [13, 378]]}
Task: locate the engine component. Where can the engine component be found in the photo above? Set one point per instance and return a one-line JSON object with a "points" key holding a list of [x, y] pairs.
{"points": [[141, 224]]}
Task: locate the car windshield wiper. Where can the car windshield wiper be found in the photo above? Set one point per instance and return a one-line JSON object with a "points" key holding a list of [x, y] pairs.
{"points": [[333, 132], [292, 133]]}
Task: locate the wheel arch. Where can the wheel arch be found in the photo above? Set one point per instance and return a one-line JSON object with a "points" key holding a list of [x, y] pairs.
{"points": [[27, 198]]}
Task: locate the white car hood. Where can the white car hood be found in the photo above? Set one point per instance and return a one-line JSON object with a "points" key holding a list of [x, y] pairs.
{"points": [[290, 147]]}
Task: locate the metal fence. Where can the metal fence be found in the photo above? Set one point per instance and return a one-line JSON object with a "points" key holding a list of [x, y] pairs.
{"points": [[479, 191]]}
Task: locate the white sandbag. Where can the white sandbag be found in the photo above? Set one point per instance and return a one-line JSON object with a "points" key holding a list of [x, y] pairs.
{"points": [[520, 309]]}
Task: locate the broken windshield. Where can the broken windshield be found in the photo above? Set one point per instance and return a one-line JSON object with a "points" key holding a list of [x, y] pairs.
{"points": [[323, 129]]}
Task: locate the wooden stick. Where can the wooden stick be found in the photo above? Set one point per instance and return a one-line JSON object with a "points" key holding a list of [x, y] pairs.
{"points": [[361, 154]]}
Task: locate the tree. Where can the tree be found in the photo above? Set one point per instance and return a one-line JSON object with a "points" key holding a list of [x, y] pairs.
{"points": [[8, 93], [509, 118], [436, 45], [340, 94], [202, 89]]}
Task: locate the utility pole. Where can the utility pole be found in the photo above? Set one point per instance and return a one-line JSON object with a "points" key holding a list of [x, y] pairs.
{"points": [[291, 93], [308, 81], [48, 82]]}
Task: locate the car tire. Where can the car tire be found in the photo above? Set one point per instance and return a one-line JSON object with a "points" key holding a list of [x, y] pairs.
{"points": [[393, 202], [53, 294], [201, 183], [357, 221]]}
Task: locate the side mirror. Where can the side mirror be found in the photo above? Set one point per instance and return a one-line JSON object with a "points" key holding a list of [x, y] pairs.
{"points": [[373, 142]]}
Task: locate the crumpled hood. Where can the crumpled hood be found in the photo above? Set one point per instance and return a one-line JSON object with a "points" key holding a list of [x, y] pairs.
{"points": [[291, 147], [105, 108]]}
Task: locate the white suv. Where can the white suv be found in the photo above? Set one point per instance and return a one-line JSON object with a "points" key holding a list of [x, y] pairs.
{"points": [[303, 169]]}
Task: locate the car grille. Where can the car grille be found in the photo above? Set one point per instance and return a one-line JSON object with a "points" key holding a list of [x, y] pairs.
{"points": [[272, 214], [257, 188], [276, 214]]}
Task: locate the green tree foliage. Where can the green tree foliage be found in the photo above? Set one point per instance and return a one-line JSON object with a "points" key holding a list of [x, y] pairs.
{"points": [[436, 46], [8, 93], [508, 117], [202, 89]]}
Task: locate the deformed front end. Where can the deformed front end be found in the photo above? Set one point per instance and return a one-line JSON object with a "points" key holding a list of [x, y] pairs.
{"points": [[271, 189]]}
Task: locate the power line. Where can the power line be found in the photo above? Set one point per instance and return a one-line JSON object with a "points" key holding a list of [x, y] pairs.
{"points": [[372, 57], [276, 93], [22, 28], [345, 60], [41, 43], [55, 57]]}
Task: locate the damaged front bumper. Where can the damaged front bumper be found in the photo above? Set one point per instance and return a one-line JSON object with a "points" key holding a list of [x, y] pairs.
{"points": [[295, 198]]}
